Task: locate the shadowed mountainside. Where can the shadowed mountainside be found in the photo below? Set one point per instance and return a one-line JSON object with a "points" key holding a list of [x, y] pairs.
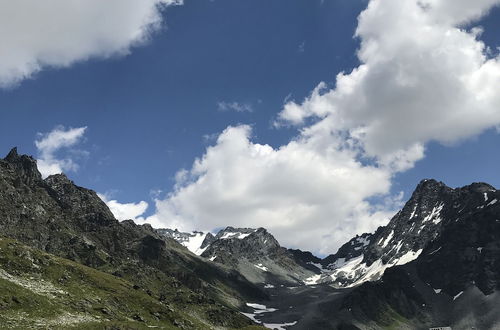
{"points": [[58, 217]]}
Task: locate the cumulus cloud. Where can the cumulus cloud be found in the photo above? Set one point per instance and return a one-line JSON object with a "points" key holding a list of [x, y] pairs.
{"points": [[423, 77], [125, 211], [49, 144], [311, 193], [234, 106], [57, 33]]}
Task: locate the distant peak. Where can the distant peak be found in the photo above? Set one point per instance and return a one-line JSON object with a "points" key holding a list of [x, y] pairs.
{"points": [[24, 164], [429, 182], [479, 187], [12, 155], [60, 178], [427, 185]]}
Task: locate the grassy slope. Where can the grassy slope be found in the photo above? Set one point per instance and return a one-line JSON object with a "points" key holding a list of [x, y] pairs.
{"points": [[39, 290]]}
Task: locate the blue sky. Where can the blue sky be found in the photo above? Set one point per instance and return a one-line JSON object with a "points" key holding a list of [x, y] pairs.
{"points": [[148, 112], [154, 108]]}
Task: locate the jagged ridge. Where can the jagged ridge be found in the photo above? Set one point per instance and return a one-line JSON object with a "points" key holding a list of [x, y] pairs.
{"points": [[56, 216]]}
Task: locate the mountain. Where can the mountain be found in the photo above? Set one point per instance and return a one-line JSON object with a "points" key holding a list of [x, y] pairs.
{"points": [[195, 242], [255, 253], [455, 279], [409, 232], [70, 223], [65, 261], [437, 263]]}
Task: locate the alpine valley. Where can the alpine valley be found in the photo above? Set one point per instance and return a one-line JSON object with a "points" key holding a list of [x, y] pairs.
{"points": [[66, 262]]}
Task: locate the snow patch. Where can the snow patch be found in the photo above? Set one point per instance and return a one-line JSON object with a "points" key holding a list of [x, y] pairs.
{"points": [[256, 306], [389, 237], [361, 240], [398, 246], [435, 214], [258, 309], [492, 202], [413, 212], [312, 280], [237, 235], [458, 295], [348, 267], [268, 286], [360, 272], [340, 262], [212, 258], [407, 257], [437, 290], [279, 326], [193, 243], [261, 267], [485, 197]]}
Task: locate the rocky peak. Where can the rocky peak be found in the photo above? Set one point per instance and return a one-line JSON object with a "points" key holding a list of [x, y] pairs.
{"points": [[12, 155], [352, 249], [429, 189], [59, 182], [232, 232], [83, 202], [480, 187], [432, 209], [24, 165]]}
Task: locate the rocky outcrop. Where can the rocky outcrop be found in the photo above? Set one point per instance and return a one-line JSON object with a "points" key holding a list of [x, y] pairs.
{"points": [[420, 222], [447, 245], [61, 218]]}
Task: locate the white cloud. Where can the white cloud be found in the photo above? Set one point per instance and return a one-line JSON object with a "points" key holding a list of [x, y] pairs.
{"points": [[310, 193], [57, 33], [125, 211], [421, 78], [49, 144], [234, 106]]}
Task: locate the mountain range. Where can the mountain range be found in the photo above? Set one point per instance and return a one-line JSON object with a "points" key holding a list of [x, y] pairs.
{"points": [[65, 261]]}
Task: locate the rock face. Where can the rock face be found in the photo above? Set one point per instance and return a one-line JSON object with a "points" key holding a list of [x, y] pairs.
{"points": [[437, 263], [56, 216], [253, 252], [455, 279], [432, 206]]}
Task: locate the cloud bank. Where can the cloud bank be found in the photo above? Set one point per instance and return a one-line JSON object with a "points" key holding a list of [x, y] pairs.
{"points": [[423, 77], [57, 33]]}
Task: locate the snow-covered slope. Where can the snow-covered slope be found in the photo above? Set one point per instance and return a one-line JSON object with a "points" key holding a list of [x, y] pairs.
{"points": [[366, 257], [255, 253], [258, 255], [195, 242]]}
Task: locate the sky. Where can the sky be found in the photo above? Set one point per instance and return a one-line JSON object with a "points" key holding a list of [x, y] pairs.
{"points": [[313, 118]]}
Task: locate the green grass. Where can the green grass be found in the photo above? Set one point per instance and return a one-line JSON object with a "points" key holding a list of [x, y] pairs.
{"points": [[38, 290]]}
